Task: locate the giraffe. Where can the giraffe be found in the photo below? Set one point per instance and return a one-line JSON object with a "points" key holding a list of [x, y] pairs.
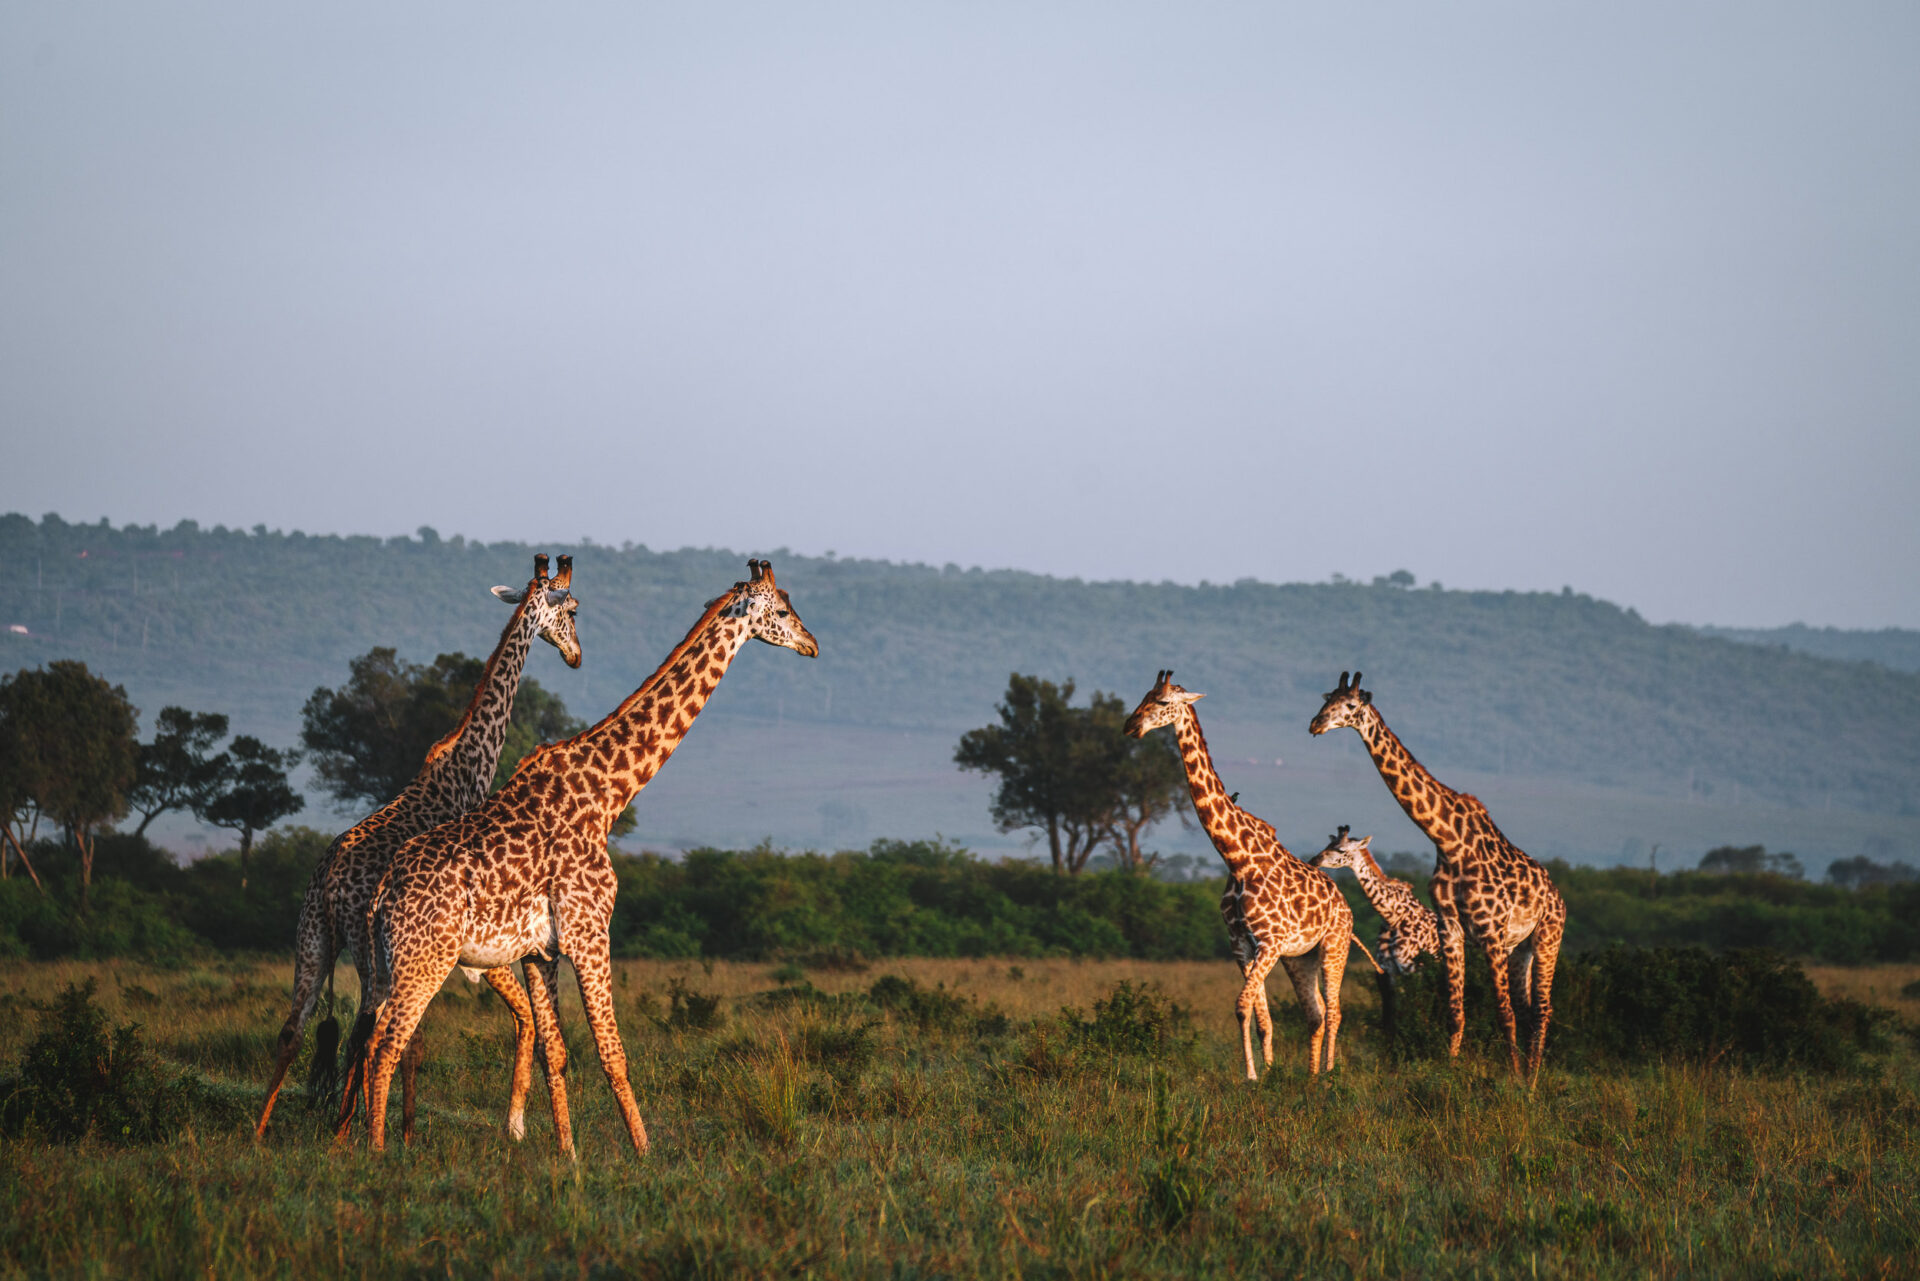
{"points": [[1411, 931], [1277, 909], [528, 872], [1509, 903], [455, 776]]}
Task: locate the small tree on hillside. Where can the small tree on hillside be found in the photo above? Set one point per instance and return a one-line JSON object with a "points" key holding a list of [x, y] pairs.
{"points": [[257, 796], [1070, 771], [71, 750], [174, 771], [1751, 860]]}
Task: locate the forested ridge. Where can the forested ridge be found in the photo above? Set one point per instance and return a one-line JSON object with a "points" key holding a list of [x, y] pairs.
{"points": [[1550, 684]]}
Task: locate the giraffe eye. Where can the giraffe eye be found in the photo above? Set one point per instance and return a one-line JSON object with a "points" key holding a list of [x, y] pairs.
{"points": [[781, 612]]}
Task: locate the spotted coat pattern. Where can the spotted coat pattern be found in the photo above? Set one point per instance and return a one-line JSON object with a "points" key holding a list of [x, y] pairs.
{"points": [[1411, 930], [1277, 909], [1483, 886], [527, 873], [454, 778]]}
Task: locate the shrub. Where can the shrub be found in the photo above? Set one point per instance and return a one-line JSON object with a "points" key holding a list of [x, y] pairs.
{"points": [[688, 1009], [78, 1078], [1750, 1007], [932, 1009], [1135, 1018]]}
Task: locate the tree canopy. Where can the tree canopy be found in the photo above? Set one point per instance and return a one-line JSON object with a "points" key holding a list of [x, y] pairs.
{"points": [[175, 771], [256, 796], [69, 749], [1073, 773]]}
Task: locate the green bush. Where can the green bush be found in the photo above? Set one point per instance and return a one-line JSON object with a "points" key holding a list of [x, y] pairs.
{"points": [[1749, 1007], [1135, 1018], [77, 1079]]}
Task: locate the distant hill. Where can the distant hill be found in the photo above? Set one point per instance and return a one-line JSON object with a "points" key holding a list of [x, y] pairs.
{"points": [[1556, 686], [1896, 648]]}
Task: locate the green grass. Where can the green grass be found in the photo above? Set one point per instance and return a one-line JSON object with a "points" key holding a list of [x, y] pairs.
{"points": [[826, 1136]]}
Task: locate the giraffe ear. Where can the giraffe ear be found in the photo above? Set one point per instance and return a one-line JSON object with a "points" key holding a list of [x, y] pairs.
{"points": [[511, 595], [1188, 696], [556, 597]]}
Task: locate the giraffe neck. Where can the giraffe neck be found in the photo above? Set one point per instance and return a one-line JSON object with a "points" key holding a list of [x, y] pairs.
{"points": [[609, 763], [1420, 794], [469, 755], [1379, 888], [1209, 794]]}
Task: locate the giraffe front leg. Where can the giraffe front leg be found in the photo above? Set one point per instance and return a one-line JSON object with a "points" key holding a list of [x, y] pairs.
{"points": [[1333, 972], [543, 986], [400, 1015], [593, 970], [501, 981]]}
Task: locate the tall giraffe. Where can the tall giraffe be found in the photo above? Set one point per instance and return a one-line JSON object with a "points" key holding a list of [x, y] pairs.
{"points": [[528, 872], [1411, 930], [1277, 909], [454, 778], [1509, 903]]}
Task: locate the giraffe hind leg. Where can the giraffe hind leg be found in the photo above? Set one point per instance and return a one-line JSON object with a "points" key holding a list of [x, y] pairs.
{"points": [[1546, 956], [543, 987], [312, 970], [1304, 970]]}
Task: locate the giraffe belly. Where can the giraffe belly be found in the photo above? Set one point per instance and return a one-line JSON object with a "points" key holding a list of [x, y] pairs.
{"points": [[533, 930]]}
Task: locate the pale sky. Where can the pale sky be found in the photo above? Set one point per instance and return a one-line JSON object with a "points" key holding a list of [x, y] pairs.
{"points": [[1620, 296]]}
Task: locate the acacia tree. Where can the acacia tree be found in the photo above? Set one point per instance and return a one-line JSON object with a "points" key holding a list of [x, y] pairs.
{"points": [[1070, 771], [71, 751], [257, 794], [174, 771]]}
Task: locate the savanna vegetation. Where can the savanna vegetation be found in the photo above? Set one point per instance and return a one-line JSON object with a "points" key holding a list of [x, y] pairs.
{"points": [[906, 898], [926, 1117], [1546, 684]]}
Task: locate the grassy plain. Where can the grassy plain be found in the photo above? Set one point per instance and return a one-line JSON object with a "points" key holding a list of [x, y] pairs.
{"points": [[834, 1138]]}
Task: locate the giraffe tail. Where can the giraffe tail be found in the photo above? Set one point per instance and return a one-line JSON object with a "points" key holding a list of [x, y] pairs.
{"points": [[1369, 955], [323, 1073]]}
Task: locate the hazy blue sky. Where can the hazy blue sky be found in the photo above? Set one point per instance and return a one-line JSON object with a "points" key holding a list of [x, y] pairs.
{"points": [[1619, 296]]}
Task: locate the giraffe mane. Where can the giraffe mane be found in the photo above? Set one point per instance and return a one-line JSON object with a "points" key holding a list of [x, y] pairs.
{"points": [[686, 642], [445, 745]]}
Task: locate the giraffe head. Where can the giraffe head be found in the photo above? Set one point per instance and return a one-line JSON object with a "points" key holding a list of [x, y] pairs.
{"points": [[1347, 705], [551, 605], [1162, 705], [769, 614], [1343, 851]]}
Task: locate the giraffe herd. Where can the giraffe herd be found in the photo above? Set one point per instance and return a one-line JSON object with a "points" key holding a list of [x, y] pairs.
{"points": [[446, 876]]}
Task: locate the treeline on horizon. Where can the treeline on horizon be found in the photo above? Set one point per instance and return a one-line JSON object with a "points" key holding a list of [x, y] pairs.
{"points": [[1545, 684], [905, 898]]}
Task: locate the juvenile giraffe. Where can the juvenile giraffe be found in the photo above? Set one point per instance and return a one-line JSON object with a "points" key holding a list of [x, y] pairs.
{"points": [[1508, 901], [454, 778], [528, 872], [1411, 930], [1277, 909]]}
